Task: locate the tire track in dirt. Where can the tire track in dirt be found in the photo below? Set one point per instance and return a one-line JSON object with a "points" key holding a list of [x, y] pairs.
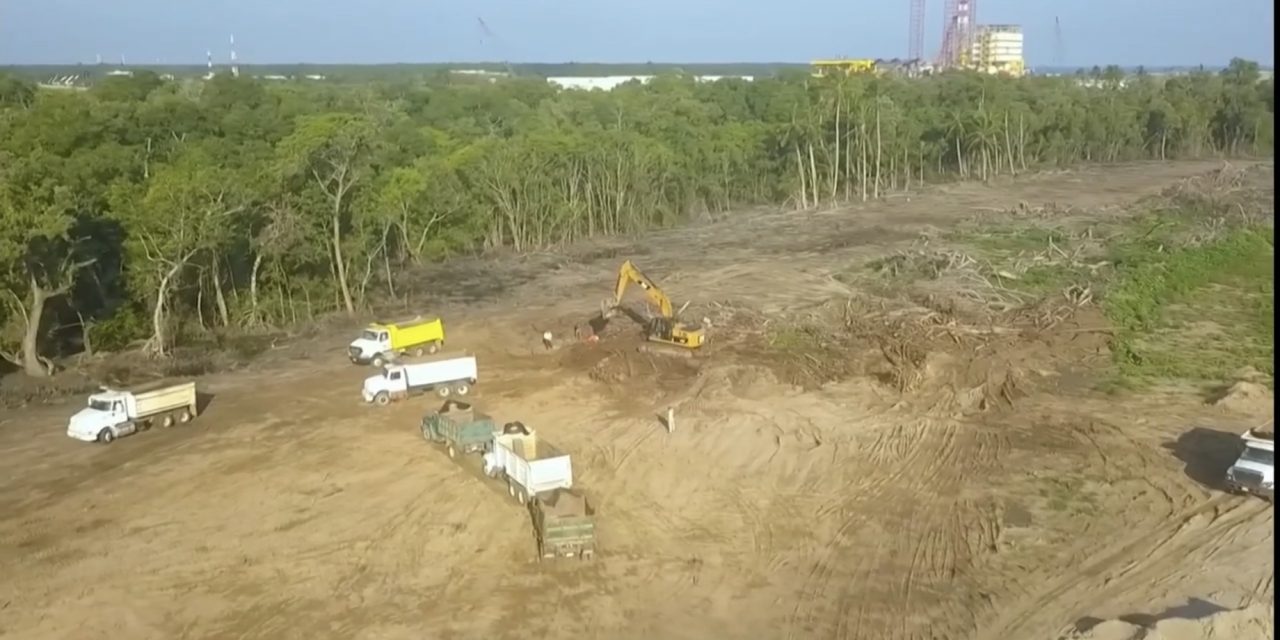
{"points": [[939, 551], [906, 482], [1167, 547]]}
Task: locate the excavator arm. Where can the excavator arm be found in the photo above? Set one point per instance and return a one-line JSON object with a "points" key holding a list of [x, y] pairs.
{"points": [[628, 274]]}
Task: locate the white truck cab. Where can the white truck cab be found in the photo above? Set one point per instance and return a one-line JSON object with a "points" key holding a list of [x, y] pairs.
{"points": [[1255, 470], [105, 410], [369, 345]]}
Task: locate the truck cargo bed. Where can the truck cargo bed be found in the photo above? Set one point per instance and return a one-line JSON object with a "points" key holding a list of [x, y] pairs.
{"points": [[531, 466], [564, 524]]}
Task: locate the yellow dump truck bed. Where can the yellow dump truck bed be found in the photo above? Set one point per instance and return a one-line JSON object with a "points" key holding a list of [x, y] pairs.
{"points": [[409, 334]]}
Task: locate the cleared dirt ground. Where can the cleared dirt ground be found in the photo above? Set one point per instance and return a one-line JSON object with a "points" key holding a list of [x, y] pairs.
{"points": [[947, 482]]}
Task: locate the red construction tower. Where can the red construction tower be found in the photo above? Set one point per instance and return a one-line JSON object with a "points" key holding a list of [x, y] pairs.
{"points": [[915, 37], [957, 32]]}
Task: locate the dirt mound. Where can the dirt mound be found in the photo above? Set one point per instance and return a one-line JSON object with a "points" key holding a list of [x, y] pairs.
{"points": [[1245, 397], [621, 366], [966, 366], [17, 390], [943, 356], [1248, 395], [1250, 623]]}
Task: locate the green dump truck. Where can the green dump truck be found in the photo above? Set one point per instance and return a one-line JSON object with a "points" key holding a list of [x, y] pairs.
{"points": [[459, 428], [564, 524]]}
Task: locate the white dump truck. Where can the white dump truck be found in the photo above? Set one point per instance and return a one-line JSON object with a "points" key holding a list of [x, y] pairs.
{"points": [[529, 467], [1255, 470], [454, 375], [113, 413]]}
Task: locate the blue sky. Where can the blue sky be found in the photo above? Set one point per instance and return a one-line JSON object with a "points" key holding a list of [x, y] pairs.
{"points": [[1127, 32]]}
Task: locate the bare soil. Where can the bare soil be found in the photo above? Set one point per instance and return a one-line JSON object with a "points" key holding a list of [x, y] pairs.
{"points": [[847, 462]]}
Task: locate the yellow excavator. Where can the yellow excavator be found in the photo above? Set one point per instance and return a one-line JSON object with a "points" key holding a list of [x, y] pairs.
{"points": [[664, 329]]}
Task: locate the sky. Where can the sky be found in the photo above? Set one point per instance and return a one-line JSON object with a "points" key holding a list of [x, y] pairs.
{"points": [[1125, 32]]}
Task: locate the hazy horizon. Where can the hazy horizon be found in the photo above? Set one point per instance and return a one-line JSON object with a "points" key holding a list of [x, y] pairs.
{"points": [[149, 32]]}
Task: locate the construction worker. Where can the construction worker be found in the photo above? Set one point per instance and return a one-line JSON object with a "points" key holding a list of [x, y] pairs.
{"points": [[546, 340]]}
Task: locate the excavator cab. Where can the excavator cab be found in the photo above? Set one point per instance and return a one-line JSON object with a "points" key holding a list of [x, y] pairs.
{"points": [[675, 332]]}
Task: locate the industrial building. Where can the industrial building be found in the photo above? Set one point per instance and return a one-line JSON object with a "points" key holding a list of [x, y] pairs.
{"points": [[997, 50], [843, 66], [859, 66], [609, 83]]}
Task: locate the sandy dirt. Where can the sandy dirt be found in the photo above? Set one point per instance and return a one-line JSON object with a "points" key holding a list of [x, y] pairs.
{"points": [[944, 479], [1194, 621]]}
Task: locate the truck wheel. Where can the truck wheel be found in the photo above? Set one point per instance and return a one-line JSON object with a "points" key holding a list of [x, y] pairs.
{"points": [[106, 436], [378, 361], [382, 399], [511, 489], [433, 348], [449, 450], [185, 416], [418, 352], [443, 391], [462, 388], [167, 420]]}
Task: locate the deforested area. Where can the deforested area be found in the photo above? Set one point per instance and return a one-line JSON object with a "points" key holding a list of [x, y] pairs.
{"points": [[957, 356]]}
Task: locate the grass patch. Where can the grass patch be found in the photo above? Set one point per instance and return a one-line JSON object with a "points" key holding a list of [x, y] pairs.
{"points": [[806, 355], [1049, 279], [1188, 290], [1067, 494], [796, 338], [1006, 241], [1195, 313]]}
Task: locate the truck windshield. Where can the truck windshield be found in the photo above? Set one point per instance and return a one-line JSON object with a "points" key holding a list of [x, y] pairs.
{"points": [[100, 405], [1259, 456], [369, 335]]}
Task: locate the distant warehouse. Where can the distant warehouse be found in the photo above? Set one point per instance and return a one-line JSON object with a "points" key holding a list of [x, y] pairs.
{"points": [[608, 83]]}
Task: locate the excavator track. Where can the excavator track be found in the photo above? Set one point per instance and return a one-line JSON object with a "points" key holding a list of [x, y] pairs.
{"points": [[670, 350]]}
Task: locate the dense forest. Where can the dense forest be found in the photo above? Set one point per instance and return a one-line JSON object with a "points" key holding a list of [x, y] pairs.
{"points": [[146, 210]]}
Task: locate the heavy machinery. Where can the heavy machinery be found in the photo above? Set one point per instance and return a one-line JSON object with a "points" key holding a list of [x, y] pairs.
{"points": [[459, 429], [1254, 472], [665, 328], [113, 413], [383, 342]]}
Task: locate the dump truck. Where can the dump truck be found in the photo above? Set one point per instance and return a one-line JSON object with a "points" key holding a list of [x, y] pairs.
{"points": [[459, 428], [384, 342], [564, 525], [1254, 472], [113, 413], [528, 466], [454, 375]]}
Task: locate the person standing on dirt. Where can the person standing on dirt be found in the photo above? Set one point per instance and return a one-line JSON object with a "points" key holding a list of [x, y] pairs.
{"points": [[546, 340]]}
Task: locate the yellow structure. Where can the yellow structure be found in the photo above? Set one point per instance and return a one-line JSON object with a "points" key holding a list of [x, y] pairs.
{"points": [[823, 68], [997, 50]]}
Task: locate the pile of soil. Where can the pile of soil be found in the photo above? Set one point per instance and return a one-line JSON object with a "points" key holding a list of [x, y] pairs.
{"points": [[1249, 395], [1250, 623], [624, 367], [1247, 398], [971, 367]]}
